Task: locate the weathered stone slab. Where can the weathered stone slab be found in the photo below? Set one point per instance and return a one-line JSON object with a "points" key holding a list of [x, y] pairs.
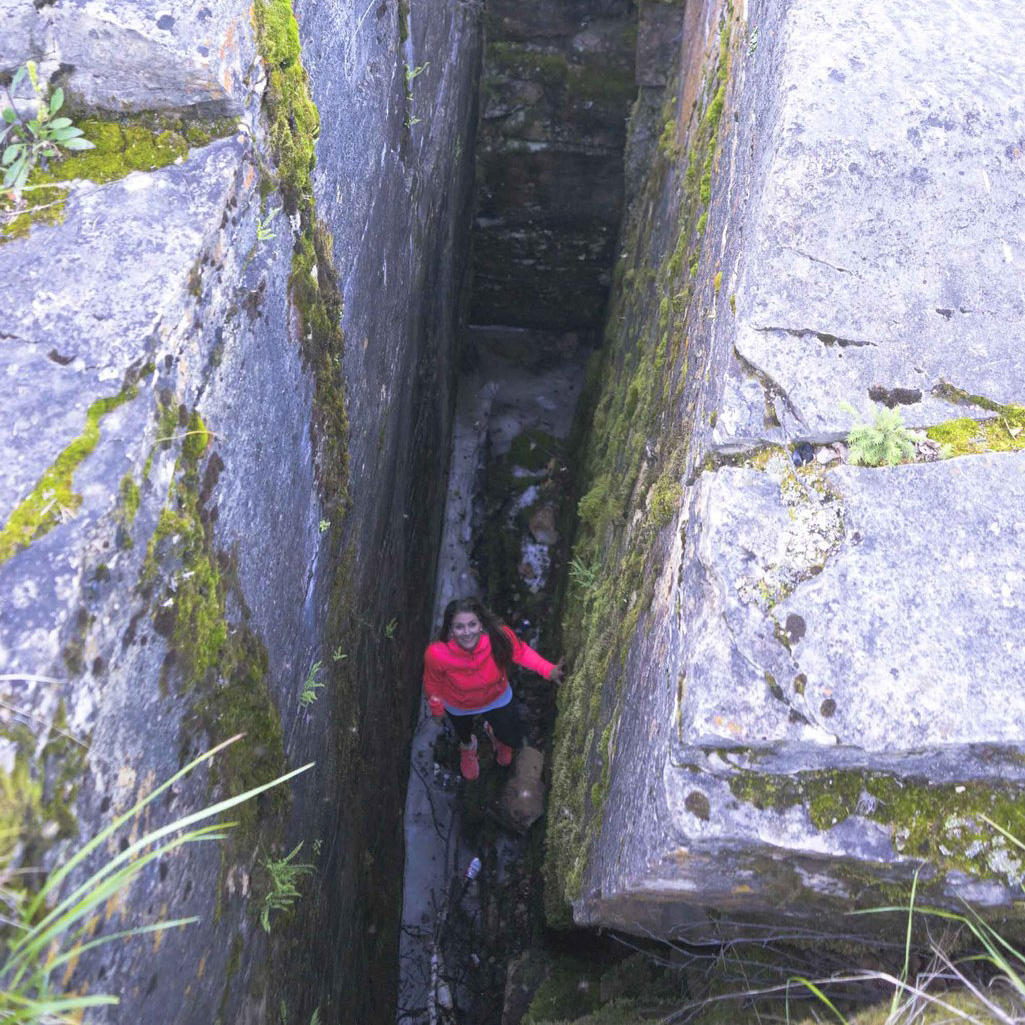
{"points": [[836, 699], [875, 609], [738, 790], [60, 354], [881, 252], [139, 56], [18, 20], [824, 691]]}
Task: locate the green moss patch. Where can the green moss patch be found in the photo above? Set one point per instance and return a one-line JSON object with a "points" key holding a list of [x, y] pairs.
{"points": [[964, 436], [130, 498], [294, 125], [665, 499], [293, 117], [942, 824], [54, 499], [38, 794], [141, 142], [633, 457], [222, 665], [318, 301], [630, 991]]}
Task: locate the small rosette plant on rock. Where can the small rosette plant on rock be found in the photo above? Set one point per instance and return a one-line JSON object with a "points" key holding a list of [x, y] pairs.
{"points": [[25, 141], [884, 442]]}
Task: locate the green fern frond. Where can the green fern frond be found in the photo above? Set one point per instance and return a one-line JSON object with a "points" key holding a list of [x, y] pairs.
{"points": [[884, 442]]}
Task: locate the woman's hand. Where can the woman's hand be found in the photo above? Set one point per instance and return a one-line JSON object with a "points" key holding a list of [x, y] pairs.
{"points": [[558, 671]]}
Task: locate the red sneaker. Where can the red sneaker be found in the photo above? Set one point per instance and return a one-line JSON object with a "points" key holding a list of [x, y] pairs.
{"points": [[468, 764], [503, 752]]}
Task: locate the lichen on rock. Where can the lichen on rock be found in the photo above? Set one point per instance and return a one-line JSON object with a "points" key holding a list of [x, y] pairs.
{"points": [[54, 499]]}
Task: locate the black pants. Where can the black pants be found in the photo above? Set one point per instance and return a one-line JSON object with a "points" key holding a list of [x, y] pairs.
{"points": [[505, 721]]}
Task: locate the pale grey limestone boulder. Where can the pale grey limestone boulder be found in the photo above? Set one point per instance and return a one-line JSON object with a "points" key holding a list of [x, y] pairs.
{"points": [[79, 329], [143, 55], [881, 255], [156, 279], [773, 728], [859, 608], [826, 689]]}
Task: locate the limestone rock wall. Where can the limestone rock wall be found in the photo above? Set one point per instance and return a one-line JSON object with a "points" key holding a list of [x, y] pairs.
{"points": [[558, 84], [227, 405], [793, 676]]}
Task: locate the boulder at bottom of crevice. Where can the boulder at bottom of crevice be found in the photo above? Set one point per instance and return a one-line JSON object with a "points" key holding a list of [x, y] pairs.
{"points": [[521, 802]]}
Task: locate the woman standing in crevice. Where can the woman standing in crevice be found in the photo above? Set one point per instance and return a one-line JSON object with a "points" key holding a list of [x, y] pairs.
{"points": [[466, 673]]}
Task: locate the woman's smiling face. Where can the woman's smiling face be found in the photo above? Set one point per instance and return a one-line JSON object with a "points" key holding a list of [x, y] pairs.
{"points": [[466, 629]]}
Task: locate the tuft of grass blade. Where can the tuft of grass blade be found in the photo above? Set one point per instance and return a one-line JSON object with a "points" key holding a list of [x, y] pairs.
{"points": [[813, 988], [46, 942]]}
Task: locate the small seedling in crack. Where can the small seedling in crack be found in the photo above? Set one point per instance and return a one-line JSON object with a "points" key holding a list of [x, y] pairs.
{"points": [[884, 442], [337, 655], [390, 627], [324, 525], [412, 73], [285, 875], [311, 686], [263, 232], [26, 142]]}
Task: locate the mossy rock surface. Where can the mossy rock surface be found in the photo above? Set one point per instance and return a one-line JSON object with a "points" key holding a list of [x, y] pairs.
{"points": [[633, 454], [121, 145], [54, 498]]}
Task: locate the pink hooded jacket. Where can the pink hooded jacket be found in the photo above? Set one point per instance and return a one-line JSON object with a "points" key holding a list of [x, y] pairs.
{"points": [[472, 679]]}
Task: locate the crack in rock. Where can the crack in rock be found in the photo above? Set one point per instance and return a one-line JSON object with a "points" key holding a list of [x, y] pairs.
{"points": [[771, 388], [817, 259], [823, 336]]}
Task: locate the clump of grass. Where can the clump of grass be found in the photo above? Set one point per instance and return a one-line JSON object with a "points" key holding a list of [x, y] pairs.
{"points": [[49, 931], [584, 574], [949, 991]]}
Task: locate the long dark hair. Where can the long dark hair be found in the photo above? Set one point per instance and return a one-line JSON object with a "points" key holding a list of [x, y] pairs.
{"points": [[501, 646]]}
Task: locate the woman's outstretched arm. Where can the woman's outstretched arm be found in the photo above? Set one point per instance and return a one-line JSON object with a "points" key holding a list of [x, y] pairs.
{"points": [[524, 655]]}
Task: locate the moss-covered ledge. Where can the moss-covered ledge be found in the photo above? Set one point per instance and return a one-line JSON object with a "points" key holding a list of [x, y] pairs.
{"points": [[954, 826], [122, 144]]}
